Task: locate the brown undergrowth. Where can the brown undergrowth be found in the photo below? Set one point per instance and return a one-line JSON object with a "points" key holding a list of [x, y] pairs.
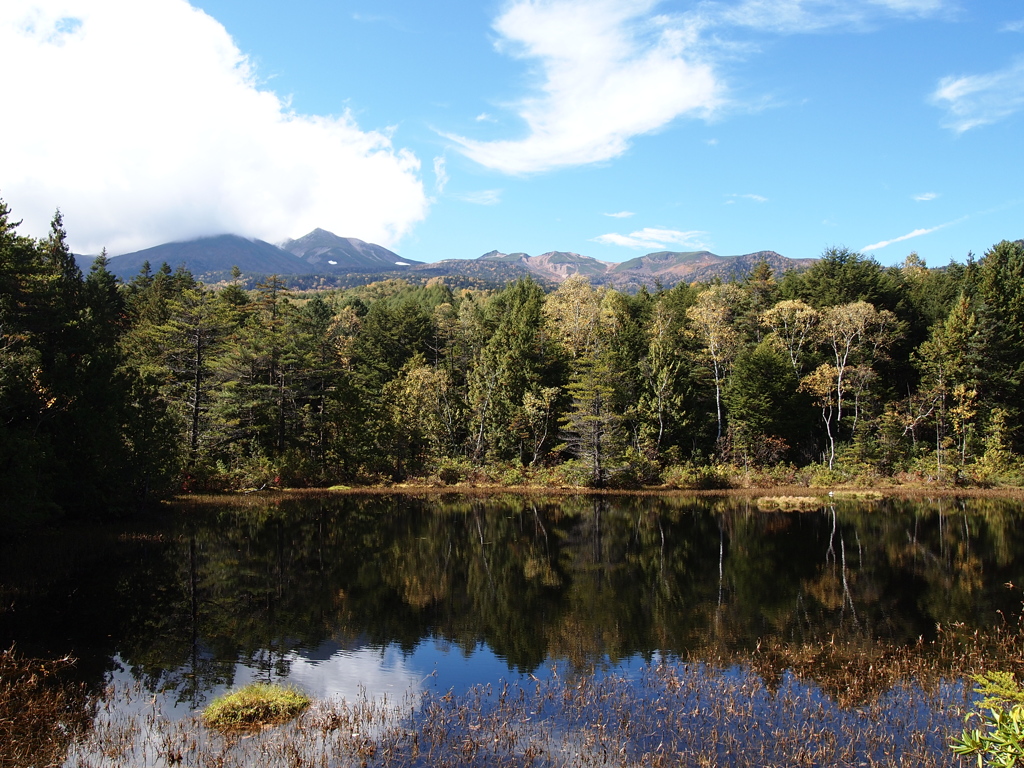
{"points": [[41, 712], [809, 497]]}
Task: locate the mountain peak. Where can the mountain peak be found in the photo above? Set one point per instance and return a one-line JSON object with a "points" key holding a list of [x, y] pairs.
{"points": [[318, 238], [499, 256], [332, 253]]}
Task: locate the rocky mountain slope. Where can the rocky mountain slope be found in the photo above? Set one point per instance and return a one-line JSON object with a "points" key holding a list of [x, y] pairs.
{"points": [[323, 259], [665, 267], [327, 252]]}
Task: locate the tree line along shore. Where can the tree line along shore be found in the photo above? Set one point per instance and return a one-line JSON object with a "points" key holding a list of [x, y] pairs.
{"points": [[116, 394]]}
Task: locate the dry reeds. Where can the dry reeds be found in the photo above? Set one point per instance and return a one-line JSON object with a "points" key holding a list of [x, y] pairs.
{"points": [[790, 503], [674, 714], [900, 710], [826, 704], [41, 713]]}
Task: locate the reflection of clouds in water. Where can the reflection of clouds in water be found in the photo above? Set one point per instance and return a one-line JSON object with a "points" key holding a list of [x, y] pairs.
{"points": [[328, 671], [377, 672]]}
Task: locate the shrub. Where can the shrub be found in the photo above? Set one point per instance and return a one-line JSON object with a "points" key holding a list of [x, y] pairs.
{"points": [[822, 476], [548, 477], [695, 477], [512, 474], [575, 473], [1000, 739], [780, 474], [452, 471], [254, 705], [641, 469]]}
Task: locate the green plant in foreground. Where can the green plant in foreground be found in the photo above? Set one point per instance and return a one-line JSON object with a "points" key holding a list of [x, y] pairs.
{"points": [[254, 705], [998, 742], [1000, 739]]}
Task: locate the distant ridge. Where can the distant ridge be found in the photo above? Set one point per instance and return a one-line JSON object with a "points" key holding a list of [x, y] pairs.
{"points": [[322, 259], [665, 267], [210, 258]]}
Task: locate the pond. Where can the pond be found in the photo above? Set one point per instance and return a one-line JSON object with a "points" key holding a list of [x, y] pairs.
{"points": [[473, 589], [385, 596]]}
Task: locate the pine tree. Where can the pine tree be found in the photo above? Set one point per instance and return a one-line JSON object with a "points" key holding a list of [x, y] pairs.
{"points": [[592, 429], [23, 448], [184, 355]]}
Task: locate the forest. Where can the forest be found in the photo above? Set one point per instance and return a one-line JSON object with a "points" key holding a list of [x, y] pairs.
{"points": [[114, 395]]}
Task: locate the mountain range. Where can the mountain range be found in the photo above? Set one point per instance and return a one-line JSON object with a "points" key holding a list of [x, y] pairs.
{"points": [[665, 267], [323, 259]]}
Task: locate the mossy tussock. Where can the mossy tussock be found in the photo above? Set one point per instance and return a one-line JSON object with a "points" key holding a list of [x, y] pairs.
{"points": [[790, 503], [255, 705]]}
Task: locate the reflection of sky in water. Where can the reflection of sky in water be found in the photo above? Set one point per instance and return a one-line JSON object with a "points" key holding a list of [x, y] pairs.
{"points": [[329, 671], [376, 673], [379, 673]]}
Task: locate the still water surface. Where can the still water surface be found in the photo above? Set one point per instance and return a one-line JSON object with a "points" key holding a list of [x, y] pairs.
{"points": [[389, 595]]}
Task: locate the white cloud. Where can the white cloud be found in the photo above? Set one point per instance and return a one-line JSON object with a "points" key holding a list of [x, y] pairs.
{"points": [[926, 196], [440, 174], [620, 214], [1013, 26], [755, 198], [482, 197], [654, 239], [976, 100], [145, 123], [916, 233], [483, 117], [609, 70]]}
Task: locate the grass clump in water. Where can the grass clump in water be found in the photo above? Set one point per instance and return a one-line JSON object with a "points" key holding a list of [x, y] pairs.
{"points": [[790, 503], [255, 705]]}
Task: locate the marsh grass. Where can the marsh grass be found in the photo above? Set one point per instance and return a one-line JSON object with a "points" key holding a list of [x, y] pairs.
{"points": [[828, 704], [790, 503], [861, 495], [674, 713], [255, 705]]}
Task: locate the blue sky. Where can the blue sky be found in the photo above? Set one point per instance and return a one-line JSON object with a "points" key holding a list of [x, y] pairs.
{"points": [[610, 128]]}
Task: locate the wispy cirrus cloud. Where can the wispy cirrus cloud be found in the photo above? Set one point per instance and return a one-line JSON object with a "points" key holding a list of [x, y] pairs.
{"points": [[620, 215], [609, 70], [924, 197], [1013, 26], [811, 16], [909, 236], [975, 100], [914, 8], [440, 174], [655, 239], [480, 197], [756, 198]]}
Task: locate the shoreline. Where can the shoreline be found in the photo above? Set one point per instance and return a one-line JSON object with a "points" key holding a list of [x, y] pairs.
{"points": [[841, 493]]}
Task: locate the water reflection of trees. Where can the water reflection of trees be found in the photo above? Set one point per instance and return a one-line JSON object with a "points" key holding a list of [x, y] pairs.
{"points": [[574, 578]]}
